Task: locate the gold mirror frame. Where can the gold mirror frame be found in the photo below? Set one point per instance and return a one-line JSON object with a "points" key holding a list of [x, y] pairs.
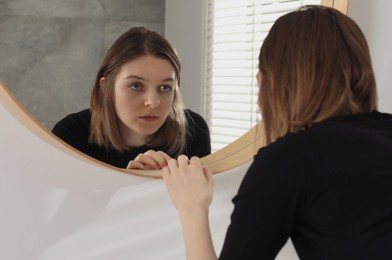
{"points": [[235, 154]]}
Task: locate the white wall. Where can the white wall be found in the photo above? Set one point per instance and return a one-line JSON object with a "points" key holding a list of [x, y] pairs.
{"points": [[184, 28], [374, 18]]}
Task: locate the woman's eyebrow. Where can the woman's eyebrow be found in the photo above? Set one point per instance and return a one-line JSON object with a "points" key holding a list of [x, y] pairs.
{"points": [[170, 79], [134, 77]]}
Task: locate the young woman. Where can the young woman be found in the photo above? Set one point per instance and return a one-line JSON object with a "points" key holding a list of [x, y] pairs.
{"points": [[324, 179], [137, 119]]}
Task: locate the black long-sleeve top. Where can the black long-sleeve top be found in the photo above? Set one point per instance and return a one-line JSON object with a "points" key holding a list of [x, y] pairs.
{"points": [[74, 129], [328, 188]]}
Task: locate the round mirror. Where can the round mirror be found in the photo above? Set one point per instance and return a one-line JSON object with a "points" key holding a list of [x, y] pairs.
{"points": [[50, 55]]}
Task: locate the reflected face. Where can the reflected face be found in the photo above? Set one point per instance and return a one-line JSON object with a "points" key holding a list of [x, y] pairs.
{"points": [[143, 96]]}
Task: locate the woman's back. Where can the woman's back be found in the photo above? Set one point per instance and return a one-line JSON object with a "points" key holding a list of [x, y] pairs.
{"points": [[328, 188]]}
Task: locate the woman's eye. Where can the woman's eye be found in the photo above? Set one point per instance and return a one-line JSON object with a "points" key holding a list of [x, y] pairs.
{"points": [[165, 88], [135, 86]]}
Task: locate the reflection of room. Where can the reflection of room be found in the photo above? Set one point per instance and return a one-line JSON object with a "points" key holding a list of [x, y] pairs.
{"points": [[50, 50]]}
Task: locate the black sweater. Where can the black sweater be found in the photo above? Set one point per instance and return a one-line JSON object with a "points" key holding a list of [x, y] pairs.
{"points": [[74, 129], [328, 188]]}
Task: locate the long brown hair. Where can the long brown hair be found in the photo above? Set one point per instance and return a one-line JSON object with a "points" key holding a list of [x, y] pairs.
{"points": [[104, 126], [315, 64]]}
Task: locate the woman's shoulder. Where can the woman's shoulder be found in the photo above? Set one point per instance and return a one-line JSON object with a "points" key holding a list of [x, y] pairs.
{"points": [[195, 120], [295, 149], [79, 121], [193, 116], [198, 135], [74, 129], [82, 117], [332, 137], [79, 116]]}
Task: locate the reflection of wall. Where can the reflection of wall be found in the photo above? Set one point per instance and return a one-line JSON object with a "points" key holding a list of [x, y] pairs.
{"points": [[187, 36], [50, 49]]}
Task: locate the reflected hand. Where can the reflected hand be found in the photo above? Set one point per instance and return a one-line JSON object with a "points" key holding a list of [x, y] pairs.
{"points": [[189, 184], [150, 160]]}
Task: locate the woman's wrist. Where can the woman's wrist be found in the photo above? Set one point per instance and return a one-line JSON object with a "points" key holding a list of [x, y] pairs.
{"points": [[193, 216], [197, 234]]}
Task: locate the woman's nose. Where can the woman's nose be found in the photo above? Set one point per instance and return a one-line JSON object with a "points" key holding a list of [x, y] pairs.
{"points": [[152, 100]]}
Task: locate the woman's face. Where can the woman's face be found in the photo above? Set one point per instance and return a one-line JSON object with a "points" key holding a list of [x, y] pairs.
{"points": [[143, 96]]}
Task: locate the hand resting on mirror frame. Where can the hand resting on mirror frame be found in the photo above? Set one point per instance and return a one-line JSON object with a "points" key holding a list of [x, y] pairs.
{"points": [[150, 160]]}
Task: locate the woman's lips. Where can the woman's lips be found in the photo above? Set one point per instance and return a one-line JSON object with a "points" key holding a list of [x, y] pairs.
{"points": [[149, 118]]}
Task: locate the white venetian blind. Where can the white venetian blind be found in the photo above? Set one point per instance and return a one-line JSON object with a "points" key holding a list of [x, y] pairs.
{"points": [[235, 32]]}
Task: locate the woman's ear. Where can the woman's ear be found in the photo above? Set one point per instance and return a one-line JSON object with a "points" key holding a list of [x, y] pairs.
{"points": [[102, 82]]}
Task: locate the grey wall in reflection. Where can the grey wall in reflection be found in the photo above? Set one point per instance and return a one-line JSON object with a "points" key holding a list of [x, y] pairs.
{"points": [[50, 50]]}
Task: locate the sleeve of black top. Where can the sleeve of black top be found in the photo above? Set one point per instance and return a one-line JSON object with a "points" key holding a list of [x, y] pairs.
{"points": [[265, 209], [198, 135]]}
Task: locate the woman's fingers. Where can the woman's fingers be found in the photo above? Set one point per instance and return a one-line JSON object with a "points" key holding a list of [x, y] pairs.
{"points": [[172, 164], [159, 158], [143, 162], [150, 160], [189, 185], [135, 165], [183, 161]]}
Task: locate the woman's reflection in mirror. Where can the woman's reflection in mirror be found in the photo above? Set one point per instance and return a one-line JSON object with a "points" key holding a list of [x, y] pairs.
{"points": [[136, 118]]}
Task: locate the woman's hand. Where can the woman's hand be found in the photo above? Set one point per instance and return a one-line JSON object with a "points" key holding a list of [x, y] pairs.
{"points": [[191, 189], [189, 185], [150, 160]]}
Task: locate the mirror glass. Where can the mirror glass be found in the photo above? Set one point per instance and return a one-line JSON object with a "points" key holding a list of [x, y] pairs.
{"points": [[50, 50]]}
